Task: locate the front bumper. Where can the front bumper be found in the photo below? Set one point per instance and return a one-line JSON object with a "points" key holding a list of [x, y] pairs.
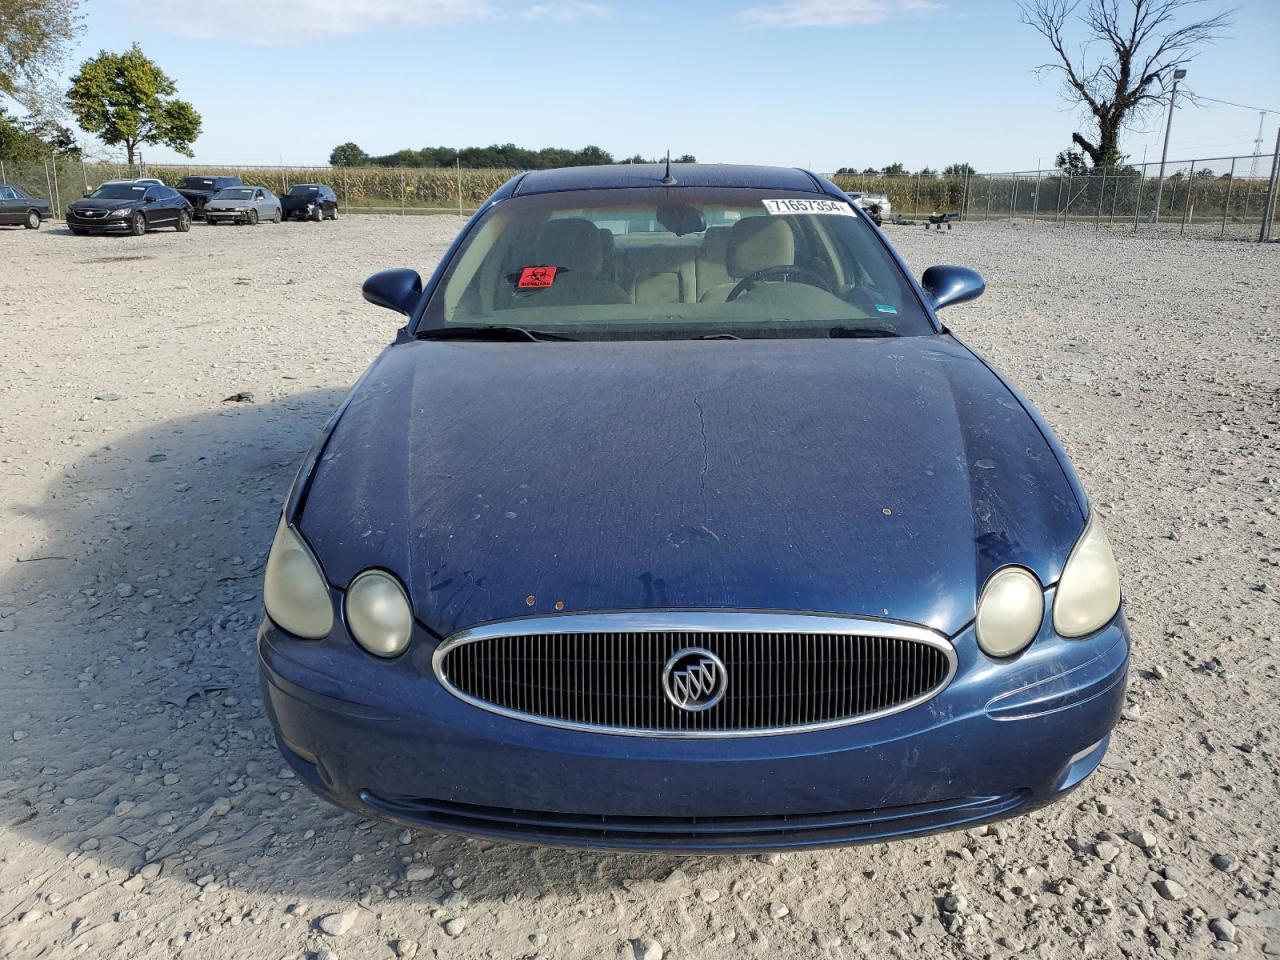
{"points": [[226, 216], [385, 739], [99, 224]]}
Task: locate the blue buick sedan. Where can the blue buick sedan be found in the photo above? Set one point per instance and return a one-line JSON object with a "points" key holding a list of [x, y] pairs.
{"points": [[675, 519]]}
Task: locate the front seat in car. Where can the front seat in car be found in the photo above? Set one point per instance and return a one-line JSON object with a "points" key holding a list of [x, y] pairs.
{"points": [[755, 243], [575, 248]]}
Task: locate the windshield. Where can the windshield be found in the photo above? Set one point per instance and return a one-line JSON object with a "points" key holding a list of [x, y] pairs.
{"points": [[302, 191], [119, 191], [673, 263], [235, 193], [195, 183]]}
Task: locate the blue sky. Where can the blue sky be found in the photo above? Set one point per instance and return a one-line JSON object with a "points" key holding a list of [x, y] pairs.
{"points": [[817, 83]]}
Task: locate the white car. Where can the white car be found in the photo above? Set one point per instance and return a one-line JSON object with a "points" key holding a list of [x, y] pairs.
{"points": [[876, 204]]}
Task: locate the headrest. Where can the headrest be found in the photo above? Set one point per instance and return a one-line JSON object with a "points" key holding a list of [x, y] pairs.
{"points": [[756, 243], [571, 244], [715, 244]]}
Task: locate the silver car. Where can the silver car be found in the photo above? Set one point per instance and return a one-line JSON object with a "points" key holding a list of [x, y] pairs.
{"points": [[242, 205]]}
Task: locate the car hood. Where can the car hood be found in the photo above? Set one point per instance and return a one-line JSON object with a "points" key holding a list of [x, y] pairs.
{"points": [[85, 204], [297, 203], [228, 204], [881, 478]]}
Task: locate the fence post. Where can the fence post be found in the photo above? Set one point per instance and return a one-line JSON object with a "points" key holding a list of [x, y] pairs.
{"points": [[1137, 203], [1102, 192], [990, 192], [1035, 199], [457, 165], [402, 191], [1057, 204], [1269, 208], [915, 207], [1013, 197], [1186, 207], [1231, 182], [47, 181], [57, 196], [1115, 198], [964, 198]]}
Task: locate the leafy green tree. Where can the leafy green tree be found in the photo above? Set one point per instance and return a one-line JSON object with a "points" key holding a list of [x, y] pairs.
{"points": [[928, 172], [894, 170], [348, 155], [1071, 162], [959, 170], [127, 101], [34, 138], [35, 36]]}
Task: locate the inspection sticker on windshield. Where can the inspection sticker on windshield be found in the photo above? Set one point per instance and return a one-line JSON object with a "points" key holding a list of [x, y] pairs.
{"points": [[836, 207], [535, 278]]}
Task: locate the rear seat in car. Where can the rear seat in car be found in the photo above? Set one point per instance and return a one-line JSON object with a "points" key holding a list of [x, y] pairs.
{"points": [[709, 268], [661, 274]]}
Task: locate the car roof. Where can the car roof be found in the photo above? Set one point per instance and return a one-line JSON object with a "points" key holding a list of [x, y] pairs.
{"points": [[621, 175]]}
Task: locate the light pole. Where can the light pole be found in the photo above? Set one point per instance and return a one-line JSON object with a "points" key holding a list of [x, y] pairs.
{"points": [[1164, 154]]}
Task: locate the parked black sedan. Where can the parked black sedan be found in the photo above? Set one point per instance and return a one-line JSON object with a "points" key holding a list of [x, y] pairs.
{"points": [[130, 208], [200, 190], [19, 207], [310, 201]]}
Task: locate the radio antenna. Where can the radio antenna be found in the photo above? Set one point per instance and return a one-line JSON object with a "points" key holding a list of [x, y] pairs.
{"points": [[668, 179]]}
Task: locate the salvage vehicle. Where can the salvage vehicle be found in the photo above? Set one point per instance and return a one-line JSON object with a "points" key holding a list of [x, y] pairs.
{"points": [[243, 205], [877, 205], [19, 207], [310, 201], [675, 519], [129, 207], [200, 190]]}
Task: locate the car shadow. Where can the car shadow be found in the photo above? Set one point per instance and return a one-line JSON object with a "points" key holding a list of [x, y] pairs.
{"points": [[136, 733]]}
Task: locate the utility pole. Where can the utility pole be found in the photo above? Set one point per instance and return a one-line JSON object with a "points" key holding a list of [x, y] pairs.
{"points": [[1164, 154]]}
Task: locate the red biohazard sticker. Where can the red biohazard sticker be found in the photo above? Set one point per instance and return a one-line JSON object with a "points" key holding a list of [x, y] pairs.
{"points": [[535, 278]]}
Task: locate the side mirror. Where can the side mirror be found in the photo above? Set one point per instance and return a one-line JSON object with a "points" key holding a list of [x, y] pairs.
{"points": [[396, 290], [948, 285]]}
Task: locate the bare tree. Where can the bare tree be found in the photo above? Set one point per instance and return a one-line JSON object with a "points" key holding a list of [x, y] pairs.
{"points": [[1126, 60]]}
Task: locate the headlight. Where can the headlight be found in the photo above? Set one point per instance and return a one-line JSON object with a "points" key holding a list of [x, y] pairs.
{"points": [[294, 588], [1009, 611], [1088, 594], [121, 212], [378, 613]]}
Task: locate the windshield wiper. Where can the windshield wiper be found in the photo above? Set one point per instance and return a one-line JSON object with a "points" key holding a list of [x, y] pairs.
{"points": [[859, 332], [488, 333]]}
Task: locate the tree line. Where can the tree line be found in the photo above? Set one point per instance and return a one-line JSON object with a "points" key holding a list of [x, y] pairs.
{"points": [[900, 170], [503, 156]]}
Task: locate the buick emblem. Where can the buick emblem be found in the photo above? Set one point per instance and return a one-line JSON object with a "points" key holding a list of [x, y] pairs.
{"points": [[694, 679]]}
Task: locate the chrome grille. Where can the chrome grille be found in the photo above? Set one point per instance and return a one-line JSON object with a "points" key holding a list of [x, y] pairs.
{"points": [[784, 672]]}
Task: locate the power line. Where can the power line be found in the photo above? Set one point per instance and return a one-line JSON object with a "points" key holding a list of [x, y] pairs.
{"points": [[1228, 103]]}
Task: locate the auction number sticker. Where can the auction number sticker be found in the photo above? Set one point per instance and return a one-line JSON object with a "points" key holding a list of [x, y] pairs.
{"points": [[832, 207]]}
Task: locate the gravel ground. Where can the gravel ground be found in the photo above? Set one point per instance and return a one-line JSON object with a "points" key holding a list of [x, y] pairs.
{"points": [[144, 811]]}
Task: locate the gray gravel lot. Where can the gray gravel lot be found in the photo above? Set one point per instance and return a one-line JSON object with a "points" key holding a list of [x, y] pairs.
{"points": [[144, 811]]}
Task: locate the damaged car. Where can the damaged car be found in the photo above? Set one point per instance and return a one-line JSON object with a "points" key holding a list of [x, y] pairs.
{"points": [[675, 494]]}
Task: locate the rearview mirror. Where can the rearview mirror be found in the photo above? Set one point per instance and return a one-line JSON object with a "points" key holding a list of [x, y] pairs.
{"points": [[396, 290], [948, 285]]}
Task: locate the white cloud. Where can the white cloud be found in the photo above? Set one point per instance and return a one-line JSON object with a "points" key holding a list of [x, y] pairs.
{"points": [[567, 10], [291, 21], [833, 13]]}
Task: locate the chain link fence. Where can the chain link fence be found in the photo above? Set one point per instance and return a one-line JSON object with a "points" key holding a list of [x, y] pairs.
{"points": [[1226, 197]]}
